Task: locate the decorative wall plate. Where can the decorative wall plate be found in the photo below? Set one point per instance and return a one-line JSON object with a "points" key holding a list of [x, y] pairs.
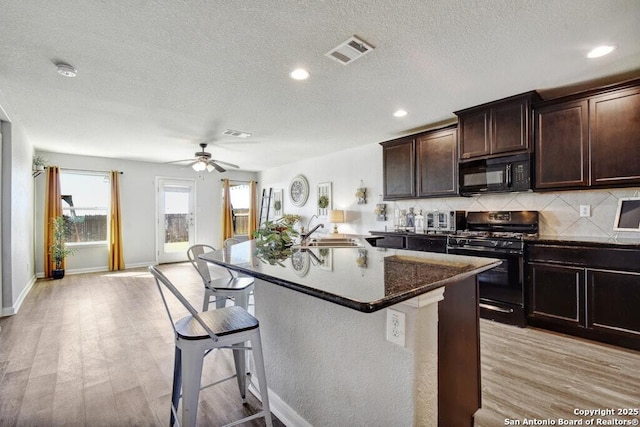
{"points": [[299, 191], [300, 262]]}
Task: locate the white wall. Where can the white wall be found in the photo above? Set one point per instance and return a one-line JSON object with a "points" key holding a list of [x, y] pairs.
{"points": [[559, 211], [17, 217], [138, 205]]}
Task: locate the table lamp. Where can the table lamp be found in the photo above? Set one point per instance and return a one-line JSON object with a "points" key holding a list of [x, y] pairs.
{"points": [[336, 217]]}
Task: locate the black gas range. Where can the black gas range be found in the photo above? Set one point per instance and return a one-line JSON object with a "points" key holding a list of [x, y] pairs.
{"points": [[498, 234]]}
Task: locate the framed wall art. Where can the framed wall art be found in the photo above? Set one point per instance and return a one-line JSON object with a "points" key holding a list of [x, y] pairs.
{"points": [[324, 199], [299, 191]]}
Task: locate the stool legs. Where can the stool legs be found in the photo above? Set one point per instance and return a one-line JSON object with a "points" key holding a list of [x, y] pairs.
{"points": [[177, 384], [192, 358], [258, 360]]}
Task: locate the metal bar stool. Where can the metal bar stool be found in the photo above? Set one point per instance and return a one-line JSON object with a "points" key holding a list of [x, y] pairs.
{"points": [[199, 333], [233, 287]]}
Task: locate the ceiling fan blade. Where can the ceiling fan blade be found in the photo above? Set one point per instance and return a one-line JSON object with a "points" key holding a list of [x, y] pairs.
{"points": [[179, 161], [226, 164], [216, 166]]}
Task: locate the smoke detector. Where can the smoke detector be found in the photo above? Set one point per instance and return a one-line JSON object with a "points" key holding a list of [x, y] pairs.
{"points": [[66, 70], [349, 51]]}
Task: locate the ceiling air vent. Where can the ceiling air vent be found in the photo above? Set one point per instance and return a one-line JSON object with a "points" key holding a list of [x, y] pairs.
{"points": [[236, 133], [349, 51]]}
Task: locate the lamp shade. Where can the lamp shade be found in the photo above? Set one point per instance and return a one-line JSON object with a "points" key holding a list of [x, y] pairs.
{"points": [[336, 216]]}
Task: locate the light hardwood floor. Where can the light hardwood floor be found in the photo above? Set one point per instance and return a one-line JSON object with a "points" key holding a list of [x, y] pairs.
{"points": [[97, 350]]}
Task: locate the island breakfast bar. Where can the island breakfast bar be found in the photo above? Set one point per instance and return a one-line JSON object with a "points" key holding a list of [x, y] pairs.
{"points": [[326, 315]]}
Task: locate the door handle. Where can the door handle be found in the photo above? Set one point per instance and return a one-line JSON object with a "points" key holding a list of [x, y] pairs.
{"points": [[496, 308]]}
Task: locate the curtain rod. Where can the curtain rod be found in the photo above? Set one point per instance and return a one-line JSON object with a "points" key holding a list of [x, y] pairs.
{"points": [[238, 180], [86, 170]]}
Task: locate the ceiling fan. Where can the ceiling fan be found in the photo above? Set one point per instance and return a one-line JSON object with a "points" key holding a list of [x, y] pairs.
{"points": [[204, 161]]}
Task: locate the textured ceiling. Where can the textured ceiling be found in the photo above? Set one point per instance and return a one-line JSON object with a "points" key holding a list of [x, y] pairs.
{"points": [[155, 78]]}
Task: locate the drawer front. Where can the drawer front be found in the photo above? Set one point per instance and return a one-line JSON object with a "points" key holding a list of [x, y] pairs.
{"points": [[395, 242], [606, 258], [427, 244]]}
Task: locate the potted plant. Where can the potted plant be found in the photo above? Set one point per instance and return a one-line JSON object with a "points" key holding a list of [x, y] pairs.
{"points": [[274, 239], [58, 249], [39, 163]]}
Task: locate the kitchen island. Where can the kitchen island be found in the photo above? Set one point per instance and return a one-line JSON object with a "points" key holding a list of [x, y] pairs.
{"points": [[325, 329]]}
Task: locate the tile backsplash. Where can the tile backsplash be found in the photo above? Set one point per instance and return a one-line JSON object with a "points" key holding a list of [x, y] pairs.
{"points": [[559, 211]]}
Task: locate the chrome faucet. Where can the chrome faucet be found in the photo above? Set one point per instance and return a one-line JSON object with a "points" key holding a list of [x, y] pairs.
{"points": [[305, 236], [308, 224]]}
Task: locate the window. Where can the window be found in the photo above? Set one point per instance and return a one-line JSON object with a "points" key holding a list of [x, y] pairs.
{"points": [[240, 198], [85, 205]]}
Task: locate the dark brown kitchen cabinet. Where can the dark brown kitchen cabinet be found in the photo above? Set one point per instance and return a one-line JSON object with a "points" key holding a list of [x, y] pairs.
{"points": [[591, 292], [587, 140], [437, 161], [497, 127], [556, 294], [562, 145], [422, 165], [426, 243], [614, 128], [399, 173]]}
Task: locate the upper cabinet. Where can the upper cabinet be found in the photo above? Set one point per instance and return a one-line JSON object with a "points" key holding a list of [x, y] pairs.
{"points": [[423, 165], [496, 128], [436, 158], [399, 168], [589, 140]]}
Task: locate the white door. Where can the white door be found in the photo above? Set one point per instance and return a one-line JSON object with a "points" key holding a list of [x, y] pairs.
{"points": [[176, 219]]}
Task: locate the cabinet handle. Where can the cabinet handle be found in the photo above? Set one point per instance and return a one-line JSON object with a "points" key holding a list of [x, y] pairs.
{"points": [[496, 308], [509, 175]]}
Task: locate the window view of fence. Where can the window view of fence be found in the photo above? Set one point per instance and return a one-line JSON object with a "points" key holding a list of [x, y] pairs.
{"points": [[240, 221], [85, 228], [85, 205], [176, 228]]}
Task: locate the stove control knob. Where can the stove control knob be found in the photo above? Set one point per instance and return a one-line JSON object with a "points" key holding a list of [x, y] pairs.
{"points": [[507, 243], [495, 243]]}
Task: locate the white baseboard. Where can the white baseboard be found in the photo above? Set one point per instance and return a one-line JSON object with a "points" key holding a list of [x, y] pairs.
{"points": [[40, 274], [280, 409], [10, 311]]}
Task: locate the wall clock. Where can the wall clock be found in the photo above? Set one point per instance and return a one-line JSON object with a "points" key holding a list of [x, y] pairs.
{"points": [[299, 191]]}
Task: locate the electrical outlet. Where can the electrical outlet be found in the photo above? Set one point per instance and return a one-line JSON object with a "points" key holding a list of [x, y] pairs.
{"points": [[395, 326], [585, 211]]}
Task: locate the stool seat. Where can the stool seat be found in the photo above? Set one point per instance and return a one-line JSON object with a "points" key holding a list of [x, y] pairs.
{"points": [[221, 322]]}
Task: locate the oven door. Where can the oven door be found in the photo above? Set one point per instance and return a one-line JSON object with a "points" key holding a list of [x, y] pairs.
{"points": [[501, 288], [479, 177]]}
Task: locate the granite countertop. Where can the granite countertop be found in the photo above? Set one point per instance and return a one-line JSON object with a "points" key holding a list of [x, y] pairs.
{"points": [[611, 242], [338, 275]]}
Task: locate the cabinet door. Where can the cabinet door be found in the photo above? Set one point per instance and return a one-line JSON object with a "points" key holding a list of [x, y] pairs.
{"points": [[562, 156], [398, 163], [474, 134], [614, 298], [614, 127], [509, 127], [437, 163], [427, 244], [556, 294]]}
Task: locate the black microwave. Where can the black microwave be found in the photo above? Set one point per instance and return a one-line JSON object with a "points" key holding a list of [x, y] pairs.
{"points": [[495, 175]]}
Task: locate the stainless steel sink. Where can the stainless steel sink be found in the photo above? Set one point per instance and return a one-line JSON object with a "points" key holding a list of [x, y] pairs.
{"points": [[336, 242]]}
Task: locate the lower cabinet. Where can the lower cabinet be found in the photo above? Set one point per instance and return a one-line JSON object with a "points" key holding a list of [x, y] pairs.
{"points": [[427, 243], [588, 292], [556, 294]]}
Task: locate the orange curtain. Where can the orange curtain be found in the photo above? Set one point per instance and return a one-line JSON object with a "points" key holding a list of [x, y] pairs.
{"points": [[227, 219], [52, 209], [116, 259], [253, 212]]}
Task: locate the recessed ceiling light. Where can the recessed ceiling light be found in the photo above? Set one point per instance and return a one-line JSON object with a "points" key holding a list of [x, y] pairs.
{"points": [[600, 51], [299, 74], [66, 70], [400, 113]]}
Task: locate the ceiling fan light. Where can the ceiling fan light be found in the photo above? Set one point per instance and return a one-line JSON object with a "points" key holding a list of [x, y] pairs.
{"points": [[209, 168], [199, 166]]}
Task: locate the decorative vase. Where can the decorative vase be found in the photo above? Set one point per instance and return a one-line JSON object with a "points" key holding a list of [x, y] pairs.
{"points": [[57, 273]]}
